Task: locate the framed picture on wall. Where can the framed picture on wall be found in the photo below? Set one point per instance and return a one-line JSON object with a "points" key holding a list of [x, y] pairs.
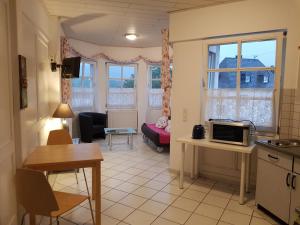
{"points": [[23, 82]]}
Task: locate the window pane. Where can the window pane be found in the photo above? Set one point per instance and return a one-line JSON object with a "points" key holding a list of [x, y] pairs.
{"points": [[87, 84], [128, 83], [80, 70], [259, 54], [114, 71], [222, 56], [156, 84], [257, 79], [221, 80], [88, 70], [128, 72], [76, 82], [155, 72], [115, 83]]}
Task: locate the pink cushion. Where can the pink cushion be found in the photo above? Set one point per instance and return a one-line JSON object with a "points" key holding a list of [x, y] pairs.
{"points": [[164, 136]]}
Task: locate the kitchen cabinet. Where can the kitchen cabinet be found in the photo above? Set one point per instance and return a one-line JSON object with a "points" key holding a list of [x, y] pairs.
{"points": [[278, 183], [272, 189], [295, 193]]}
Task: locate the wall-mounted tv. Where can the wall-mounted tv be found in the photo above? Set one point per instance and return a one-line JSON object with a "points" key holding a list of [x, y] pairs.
{"points": [[70, 67]]}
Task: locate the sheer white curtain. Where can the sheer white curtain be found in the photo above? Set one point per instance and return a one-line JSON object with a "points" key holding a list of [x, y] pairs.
{"points": [[120, 98], [257, 105], [83, 98], [155, 98]]}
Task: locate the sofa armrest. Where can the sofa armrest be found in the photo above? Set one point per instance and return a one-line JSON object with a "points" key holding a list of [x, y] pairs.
{"points": [[86, 124]]}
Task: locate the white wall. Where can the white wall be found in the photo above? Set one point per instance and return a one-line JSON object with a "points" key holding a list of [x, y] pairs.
{"points": [[188, 28], [122, 53], [38, 38], [8, 78]]}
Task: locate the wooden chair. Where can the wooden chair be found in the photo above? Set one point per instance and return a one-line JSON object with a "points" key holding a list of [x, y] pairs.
{"points": [[34, 193], [60, 137]]}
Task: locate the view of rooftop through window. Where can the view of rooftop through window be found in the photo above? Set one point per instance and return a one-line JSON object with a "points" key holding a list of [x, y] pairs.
{"points": [[254, 54]]}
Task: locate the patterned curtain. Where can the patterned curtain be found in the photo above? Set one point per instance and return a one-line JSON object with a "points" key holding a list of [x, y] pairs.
{"points": [[65, 83], [165, 74]]}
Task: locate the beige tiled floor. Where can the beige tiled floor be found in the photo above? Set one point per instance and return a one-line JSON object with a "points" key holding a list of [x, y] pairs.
{"points": [[138, 189]]}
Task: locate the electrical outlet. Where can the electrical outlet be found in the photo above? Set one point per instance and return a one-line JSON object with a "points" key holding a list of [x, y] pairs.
{"points": [[184, 115]]}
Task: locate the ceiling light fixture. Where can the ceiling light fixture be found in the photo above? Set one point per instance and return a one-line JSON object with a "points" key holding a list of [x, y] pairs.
{"points": [[131, 36]]}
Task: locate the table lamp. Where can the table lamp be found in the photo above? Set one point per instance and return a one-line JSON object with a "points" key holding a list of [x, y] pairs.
{"points": [[63, 111]]}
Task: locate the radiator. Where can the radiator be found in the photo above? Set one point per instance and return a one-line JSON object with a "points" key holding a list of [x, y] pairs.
{"points": [[122, 118]]}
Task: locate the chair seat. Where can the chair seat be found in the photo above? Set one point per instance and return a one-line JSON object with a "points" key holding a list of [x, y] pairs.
{"points": [[66, 202]]}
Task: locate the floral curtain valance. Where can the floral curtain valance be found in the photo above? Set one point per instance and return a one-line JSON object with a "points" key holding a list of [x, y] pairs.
{"points": [[68, 49]]}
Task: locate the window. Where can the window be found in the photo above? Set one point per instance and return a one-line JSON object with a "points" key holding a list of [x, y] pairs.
{"points": [[121, 86], [243, 75], [82, 87], [155, 91]]}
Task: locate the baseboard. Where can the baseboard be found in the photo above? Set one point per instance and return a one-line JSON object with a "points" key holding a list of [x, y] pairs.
{"points": [[218, 177]]}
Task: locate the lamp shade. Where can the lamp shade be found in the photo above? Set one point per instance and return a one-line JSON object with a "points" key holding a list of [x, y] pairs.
{"points": [[63, 110]]}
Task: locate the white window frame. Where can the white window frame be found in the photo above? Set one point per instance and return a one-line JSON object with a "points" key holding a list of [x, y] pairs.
{"points": [[108, 64], [150, 86], [278, 36], [82, 78]]}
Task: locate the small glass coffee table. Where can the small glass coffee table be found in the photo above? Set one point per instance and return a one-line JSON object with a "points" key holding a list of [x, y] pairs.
{"points": [[120, 131]]}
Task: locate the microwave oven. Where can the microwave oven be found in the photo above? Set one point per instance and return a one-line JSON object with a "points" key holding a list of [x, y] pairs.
{"points": [[230, 132]]}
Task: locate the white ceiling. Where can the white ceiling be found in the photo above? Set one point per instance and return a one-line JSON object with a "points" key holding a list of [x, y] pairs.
{"points": [[105, 22]]}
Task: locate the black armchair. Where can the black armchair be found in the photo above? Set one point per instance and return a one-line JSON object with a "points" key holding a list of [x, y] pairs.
{"points": [[92, 125]]}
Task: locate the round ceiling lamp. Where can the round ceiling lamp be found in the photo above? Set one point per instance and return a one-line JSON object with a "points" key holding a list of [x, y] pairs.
{"points": [[131, 36]]}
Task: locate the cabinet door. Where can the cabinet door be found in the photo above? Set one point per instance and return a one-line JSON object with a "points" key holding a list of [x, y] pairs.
{"points": [[295, 197], [272, 192]]}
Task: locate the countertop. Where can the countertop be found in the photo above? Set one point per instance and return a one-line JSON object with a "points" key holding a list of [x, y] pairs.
{"points": [[294, 151]]}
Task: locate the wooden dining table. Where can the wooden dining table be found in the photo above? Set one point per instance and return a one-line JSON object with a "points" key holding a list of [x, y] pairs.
{"points": [[68, 157]]}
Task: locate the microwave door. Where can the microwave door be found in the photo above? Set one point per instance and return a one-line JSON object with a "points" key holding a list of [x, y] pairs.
{"points": [[228, 133]]}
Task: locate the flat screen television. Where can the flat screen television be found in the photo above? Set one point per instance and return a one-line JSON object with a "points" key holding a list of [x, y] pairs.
{"points": [[70, 67]]}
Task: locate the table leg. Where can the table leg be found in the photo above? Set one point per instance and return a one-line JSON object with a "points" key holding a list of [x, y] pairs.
{"points": [[242, 184], [131, 141], [196, 163], [128, 139], [110, 141], [193, 163], [181, 175], [248, 171], [94, 183], [32, 219], [97, 194]]}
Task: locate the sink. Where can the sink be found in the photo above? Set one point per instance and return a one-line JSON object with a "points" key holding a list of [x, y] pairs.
{"points": [[285, 143]]}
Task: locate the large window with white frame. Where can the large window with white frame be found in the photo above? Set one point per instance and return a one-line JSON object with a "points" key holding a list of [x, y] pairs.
{"points": [[83, 87], [155, 91], [121, 85], [243, 79]]}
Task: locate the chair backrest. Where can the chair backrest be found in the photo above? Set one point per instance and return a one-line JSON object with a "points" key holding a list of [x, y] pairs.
{"points": [[34, 192], [59, 137]]}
